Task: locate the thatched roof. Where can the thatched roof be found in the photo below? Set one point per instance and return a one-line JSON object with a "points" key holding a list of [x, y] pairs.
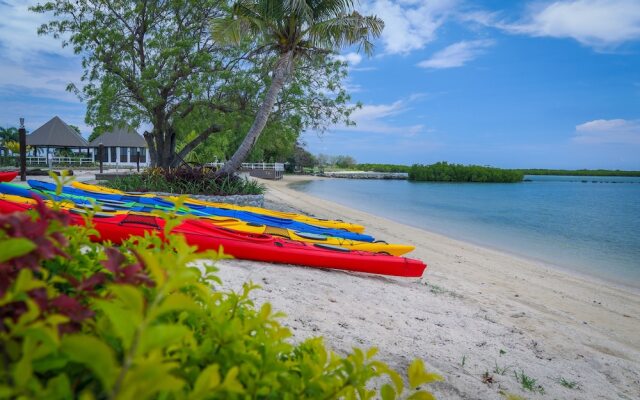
{"points": [[56, 133], [120, 137]]}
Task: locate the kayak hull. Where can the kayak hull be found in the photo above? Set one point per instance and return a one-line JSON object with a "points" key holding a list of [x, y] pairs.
{"points": [[195, 209], [333, 224], [254, 247], [8, 176]]}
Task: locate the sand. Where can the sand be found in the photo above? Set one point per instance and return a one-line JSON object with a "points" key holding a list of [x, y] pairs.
{"points": [[474, 311]]}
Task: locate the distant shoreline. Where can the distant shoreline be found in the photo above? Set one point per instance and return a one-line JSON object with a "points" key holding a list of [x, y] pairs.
{"points": [[487, 307]]}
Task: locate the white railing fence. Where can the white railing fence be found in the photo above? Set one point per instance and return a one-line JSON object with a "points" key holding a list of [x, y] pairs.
{"points": [[253, 166], [60, 160]]}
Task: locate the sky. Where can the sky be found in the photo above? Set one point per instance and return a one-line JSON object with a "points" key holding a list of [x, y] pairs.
{"points": [[513, 84]]}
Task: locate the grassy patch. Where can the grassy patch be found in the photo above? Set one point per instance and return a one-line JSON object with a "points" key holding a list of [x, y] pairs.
{"points": [[528, 383], [501, 370], [568, 384]]}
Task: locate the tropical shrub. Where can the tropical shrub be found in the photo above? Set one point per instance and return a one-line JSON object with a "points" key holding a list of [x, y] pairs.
{"points": [[444, 172], [186, 180], [82, 320]]}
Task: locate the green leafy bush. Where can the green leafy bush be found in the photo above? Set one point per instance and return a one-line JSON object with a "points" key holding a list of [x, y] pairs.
{"points": [[444, 172], [146, 321], [186, 180]]}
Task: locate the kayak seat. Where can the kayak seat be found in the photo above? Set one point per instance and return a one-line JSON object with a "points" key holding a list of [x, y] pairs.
{"points": [[140, 220]]}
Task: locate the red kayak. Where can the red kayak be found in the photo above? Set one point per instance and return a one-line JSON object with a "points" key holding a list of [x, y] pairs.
{"points": [[207, 236], [8, 176]]}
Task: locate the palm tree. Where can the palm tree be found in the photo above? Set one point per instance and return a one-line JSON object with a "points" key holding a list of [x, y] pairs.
{"points": [[8, 135], [292, 29]]}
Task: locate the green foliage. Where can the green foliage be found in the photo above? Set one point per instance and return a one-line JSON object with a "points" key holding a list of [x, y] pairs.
{"points": [[444, 172], [186, 181], [579, 172], [300, 159], [79, 320], [156, 63], [501, 370], [528, 383], [294, 36], [569, 384]]}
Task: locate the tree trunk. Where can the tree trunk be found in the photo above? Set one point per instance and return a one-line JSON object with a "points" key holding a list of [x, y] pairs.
{"points": [[282, 70]]}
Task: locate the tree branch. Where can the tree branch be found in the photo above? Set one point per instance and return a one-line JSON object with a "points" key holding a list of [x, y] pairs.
{"points": [[199, 139]]}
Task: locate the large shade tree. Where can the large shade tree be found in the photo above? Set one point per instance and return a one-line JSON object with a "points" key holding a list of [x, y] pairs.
{"points": [[291, 30], [147, 62]]}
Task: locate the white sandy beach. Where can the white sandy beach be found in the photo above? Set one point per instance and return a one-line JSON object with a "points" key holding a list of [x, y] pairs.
{"points": [[475, 310]]}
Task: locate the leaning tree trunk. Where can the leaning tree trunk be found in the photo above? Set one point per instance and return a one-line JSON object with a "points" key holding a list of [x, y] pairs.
{"points": [[280, 74]]}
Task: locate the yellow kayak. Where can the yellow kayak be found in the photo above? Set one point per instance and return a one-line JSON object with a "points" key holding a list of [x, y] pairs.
{"points": [[241, 226], [334, 224]]}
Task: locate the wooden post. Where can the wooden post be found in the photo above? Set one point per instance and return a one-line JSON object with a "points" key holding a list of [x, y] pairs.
{"points": [[138, 160], [22, 138], [101, 154]]}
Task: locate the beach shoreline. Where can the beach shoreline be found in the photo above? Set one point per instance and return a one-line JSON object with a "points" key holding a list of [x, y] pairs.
{"points": [[569, 270], [476, 310]]}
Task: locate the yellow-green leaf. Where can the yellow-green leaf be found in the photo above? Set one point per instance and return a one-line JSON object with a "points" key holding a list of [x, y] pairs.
{"points": [[131, 297], [418, 376], [387, 392], [93, 354], [231, 383], [208, 380], [15, 247], [421, 395], [123, 321], [161, 336], [174, 302]]}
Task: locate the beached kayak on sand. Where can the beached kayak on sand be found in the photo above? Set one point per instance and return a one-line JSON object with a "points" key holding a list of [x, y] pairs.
{"points": [[8, 176], [147, 204], [333, 224], [254, 247], [241, 226]]}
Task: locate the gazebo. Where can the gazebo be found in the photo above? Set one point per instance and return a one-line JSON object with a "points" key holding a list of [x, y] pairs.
{"points": [[55, 134], [121, 147]]}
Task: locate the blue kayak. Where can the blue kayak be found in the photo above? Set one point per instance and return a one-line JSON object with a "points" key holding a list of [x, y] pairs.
{"points": [[149, 203]]}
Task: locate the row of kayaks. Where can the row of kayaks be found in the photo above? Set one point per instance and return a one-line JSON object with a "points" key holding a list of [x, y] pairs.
{"points": [[251, 233], [8, 176]]}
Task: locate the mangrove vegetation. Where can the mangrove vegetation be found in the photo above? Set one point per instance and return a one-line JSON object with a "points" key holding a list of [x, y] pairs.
{"points": [[445, 172]]}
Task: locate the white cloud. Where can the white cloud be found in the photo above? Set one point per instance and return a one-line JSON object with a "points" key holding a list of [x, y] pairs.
{"points": [[604, 131], [379, 118], [596, 23], [350, 58], [35, 67], [409, 25], [456, 55], [19, 38]]}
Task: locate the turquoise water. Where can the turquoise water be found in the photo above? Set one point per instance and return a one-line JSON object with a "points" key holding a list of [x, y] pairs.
{"points": [[590, 225]]}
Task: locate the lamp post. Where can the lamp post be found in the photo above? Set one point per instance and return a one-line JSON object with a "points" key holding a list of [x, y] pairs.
{"points": [[101, 154], [22, 138]]}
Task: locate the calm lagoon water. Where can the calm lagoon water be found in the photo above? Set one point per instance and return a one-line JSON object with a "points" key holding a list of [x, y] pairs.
{"points": [[590, 225]]}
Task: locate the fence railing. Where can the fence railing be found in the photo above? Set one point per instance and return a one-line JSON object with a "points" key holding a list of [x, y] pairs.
{"points": [[253, 166], [60, 160]]}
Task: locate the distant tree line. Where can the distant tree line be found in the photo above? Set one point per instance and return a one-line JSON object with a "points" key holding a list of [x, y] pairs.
{"points": [[579, 172], [445, 172]]}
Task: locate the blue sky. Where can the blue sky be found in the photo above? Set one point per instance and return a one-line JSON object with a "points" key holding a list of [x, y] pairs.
{"points": [[550, 84]]}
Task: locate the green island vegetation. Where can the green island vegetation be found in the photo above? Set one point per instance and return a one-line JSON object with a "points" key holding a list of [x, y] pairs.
{"points": [[489, 171], [186, 180], [445, 172], [579, 172], [149, 319]]}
